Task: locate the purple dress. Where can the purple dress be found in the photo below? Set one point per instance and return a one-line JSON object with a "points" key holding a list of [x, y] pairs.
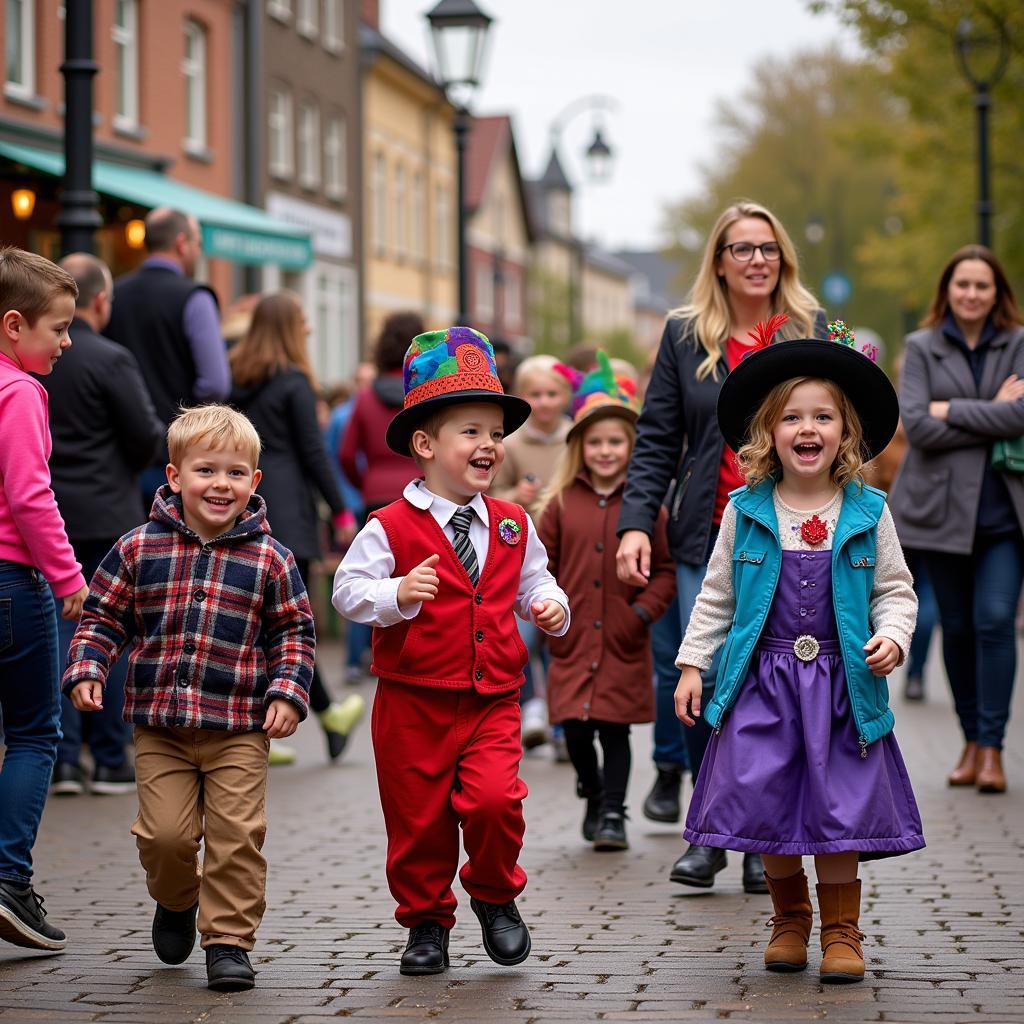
{"points": [[785, 773]]}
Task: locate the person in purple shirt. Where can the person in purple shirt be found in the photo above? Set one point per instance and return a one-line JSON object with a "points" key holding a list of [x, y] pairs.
{"points": [[171, 324]]}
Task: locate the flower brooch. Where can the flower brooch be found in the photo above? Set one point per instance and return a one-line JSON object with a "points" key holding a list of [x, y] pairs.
{"points": [[813, 531]]}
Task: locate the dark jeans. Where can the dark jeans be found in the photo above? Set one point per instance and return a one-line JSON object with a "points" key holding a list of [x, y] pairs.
{"points": [[978, 596], [30, 709], [319, 698], [927, 613], [105, 731], [666, 636], [614, 737]]}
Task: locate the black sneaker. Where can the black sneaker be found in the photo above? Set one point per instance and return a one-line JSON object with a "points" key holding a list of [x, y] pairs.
{"points": [[228, 969], [112, 781], [67, 779], [23, 920], [611, 832], [426, 952], [174, 933], [506, 937]]}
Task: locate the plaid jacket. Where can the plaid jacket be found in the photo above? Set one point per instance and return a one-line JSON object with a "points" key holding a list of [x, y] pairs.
{"points": [[217, 630]]}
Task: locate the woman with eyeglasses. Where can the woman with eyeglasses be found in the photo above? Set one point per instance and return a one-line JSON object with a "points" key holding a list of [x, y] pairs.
{"points": [[748, 273]]}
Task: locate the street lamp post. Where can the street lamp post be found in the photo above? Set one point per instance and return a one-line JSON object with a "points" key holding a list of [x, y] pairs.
{"points": [[983, 56], [459, 30], [79, 217]]}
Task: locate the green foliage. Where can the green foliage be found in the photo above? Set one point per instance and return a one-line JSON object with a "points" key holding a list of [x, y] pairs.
{"points": [[549, 312]]}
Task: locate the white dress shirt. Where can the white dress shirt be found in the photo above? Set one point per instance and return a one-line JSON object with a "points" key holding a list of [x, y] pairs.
{"points": [[365, 591]]}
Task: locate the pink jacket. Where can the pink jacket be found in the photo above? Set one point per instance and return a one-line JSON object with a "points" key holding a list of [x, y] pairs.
{"points": [[31, 529]]}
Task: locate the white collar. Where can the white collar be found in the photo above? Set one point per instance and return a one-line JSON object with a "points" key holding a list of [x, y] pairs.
{"points": [[420, 496]]}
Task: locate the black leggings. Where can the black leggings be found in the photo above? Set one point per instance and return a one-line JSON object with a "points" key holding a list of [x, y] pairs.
{"points": [[614, 737], [319, 699]]}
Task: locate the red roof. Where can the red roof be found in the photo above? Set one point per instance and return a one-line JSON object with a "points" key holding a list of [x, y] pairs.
{"points": [[490, 141]]}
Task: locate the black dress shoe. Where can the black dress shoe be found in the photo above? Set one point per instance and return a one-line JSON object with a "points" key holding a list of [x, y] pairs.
{"points": [[174, 933], [611, 832], [506, 938], [427, 949], [228, 969], [913, 689], [592, 818], [753, 874], [662, 803], [698, 866]]}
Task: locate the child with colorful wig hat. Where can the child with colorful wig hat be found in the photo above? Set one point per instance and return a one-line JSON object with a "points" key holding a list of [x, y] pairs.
{"points": [[440, 575], [599, 680]]}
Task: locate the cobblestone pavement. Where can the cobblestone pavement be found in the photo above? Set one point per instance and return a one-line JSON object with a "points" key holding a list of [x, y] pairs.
{"points": [[613, 939]]}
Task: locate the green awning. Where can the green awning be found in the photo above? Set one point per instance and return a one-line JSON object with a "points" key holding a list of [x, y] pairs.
{"points": [[232, 230]]}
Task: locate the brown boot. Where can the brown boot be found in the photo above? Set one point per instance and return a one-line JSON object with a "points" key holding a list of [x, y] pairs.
{"points": [[791, 923], [990, 777], [842, 959], [964, 773]]}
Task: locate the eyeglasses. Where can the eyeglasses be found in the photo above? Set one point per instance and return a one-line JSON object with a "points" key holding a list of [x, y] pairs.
{"points": [[744, 251]]}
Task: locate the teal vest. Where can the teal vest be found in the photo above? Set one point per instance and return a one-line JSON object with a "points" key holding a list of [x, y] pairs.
{"points": [[756, 565]]}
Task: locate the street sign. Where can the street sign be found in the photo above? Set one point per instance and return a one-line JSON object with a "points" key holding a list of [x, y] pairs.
{"points": [[836, 288]]}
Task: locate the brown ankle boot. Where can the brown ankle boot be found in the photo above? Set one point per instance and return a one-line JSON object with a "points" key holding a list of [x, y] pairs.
{"points": [[791, 923], [990, 777], [964, 773], [842, 959]]}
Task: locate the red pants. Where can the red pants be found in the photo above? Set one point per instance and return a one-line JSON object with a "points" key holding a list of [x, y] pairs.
{"points": [[447, 758]]}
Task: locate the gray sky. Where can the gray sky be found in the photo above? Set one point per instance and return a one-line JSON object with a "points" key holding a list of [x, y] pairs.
{"points": [[664, 61]]}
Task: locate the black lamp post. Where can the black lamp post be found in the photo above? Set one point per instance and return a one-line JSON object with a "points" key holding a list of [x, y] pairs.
{"points": [[459, 30], [983, 56], [79, 217]]}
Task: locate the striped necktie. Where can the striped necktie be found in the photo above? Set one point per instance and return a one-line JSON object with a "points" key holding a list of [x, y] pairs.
{"points": [[463, 548]]}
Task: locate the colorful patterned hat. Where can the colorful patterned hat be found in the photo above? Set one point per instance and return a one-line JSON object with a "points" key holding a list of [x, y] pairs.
{"points": [[600, 393], [444, 368], [839, 359]]}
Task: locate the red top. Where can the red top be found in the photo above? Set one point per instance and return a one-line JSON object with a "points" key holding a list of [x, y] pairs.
{"points": [[729, 476], [466, 638]]}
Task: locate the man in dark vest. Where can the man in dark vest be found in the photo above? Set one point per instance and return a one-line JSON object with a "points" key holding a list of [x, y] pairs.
{"points": [[105, 432], [171, 324]]}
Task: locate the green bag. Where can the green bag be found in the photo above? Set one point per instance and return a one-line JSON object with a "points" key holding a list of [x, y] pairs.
{"points": [[1008, 455]]}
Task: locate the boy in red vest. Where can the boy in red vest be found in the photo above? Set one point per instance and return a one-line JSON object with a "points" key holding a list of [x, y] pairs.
{"points": [[438, 574]]}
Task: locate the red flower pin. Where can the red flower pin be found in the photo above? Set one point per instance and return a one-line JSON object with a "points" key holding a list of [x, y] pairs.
{"points": [[813, 531]]}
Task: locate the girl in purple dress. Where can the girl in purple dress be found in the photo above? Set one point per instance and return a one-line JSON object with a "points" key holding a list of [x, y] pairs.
{"points": [[810, 599]]}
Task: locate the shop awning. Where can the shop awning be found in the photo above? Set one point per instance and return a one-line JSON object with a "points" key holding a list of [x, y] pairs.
{"points": [[231, 230]]}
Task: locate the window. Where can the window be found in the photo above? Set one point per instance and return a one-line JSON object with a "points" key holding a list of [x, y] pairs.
{"points": [[309, 146], [307, 20], [280, 9], [335, 158], [401, 213], [442, 228], [419, 218], [125, 33], [380, 202], [484, 292], [513, 300], [20, 48], [334, 26], [193, 67], [279, 130]]}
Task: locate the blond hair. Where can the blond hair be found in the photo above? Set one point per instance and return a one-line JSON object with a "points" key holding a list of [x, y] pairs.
{"points": [[274, 341], [758, 458], [29, 283], [539, 366], [570, 465], [219, 426], [707, 305]]}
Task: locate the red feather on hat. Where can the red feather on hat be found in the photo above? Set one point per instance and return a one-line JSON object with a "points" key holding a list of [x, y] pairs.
{"points": [[764, 331]]}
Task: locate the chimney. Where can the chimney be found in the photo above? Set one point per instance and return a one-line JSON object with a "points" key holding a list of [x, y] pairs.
{"points": [[370, 13]]}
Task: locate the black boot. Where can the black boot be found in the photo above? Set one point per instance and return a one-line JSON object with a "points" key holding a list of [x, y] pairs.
{"points": [[592, 795], [228, 969], [174, 933], [506, 938], [698, 866], [662, 803], [426, 952], [753, 874], [611, 831]]}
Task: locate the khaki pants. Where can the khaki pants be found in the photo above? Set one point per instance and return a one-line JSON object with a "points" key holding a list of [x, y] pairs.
{"points": [[204, 784]]}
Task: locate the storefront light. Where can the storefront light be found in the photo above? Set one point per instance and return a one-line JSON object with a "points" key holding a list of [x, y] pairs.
{"points": [[23, 202], [135, 233]]}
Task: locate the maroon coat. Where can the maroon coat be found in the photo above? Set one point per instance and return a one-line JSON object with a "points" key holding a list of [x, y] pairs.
{"points": [[602, 667]]}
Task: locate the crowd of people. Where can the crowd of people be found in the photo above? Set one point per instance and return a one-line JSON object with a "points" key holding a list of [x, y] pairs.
{"points": [[551, 550]]}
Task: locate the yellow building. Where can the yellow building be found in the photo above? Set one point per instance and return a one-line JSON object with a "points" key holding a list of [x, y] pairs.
{"points": [[410, 256]]}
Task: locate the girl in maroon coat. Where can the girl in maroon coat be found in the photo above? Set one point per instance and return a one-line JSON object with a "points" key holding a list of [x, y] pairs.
{"points": [[599, 681]]}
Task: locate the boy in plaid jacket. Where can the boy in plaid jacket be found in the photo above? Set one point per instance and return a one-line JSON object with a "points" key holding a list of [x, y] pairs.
{"points": [[221, 660]]}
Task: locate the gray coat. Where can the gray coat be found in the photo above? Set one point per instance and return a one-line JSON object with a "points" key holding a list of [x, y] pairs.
{"points": [[934, 499]]}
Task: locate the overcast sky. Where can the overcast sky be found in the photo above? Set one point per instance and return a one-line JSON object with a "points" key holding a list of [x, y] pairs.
{"points": [[665, 62]]}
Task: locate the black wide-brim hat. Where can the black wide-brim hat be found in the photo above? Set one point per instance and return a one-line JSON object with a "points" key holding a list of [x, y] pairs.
{"points": [[405, 424], [861, 379]]}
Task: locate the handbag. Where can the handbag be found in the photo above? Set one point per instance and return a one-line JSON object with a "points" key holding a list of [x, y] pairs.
{"points": [[1008, 455]]}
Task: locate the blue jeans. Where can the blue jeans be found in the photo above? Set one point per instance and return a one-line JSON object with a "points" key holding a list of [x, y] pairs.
{"points": [[30, 706], [533, 637], [669, 747], [357, 642], [978, 595], [927, 613]]}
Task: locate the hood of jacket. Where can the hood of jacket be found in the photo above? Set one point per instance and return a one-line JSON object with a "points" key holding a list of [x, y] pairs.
{"points": [[167, 509], [390, 389]]}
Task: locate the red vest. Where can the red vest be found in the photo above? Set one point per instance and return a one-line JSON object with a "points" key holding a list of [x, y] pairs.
{"points": [[466, 638]]}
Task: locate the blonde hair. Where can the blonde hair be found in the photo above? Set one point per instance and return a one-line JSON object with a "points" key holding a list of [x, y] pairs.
{"points": [[708, 303], [570, 465], [219, 426], [539, 366], [30, 283], [275, 341], [758, 458]]}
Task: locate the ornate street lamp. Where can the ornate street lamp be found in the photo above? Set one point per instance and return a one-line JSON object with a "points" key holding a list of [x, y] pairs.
{"points": [[983, 54], [459, 30]]}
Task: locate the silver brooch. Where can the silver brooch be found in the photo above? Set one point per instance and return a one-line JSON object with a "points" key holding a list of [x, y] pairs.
{"points": [[806, 647]]}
